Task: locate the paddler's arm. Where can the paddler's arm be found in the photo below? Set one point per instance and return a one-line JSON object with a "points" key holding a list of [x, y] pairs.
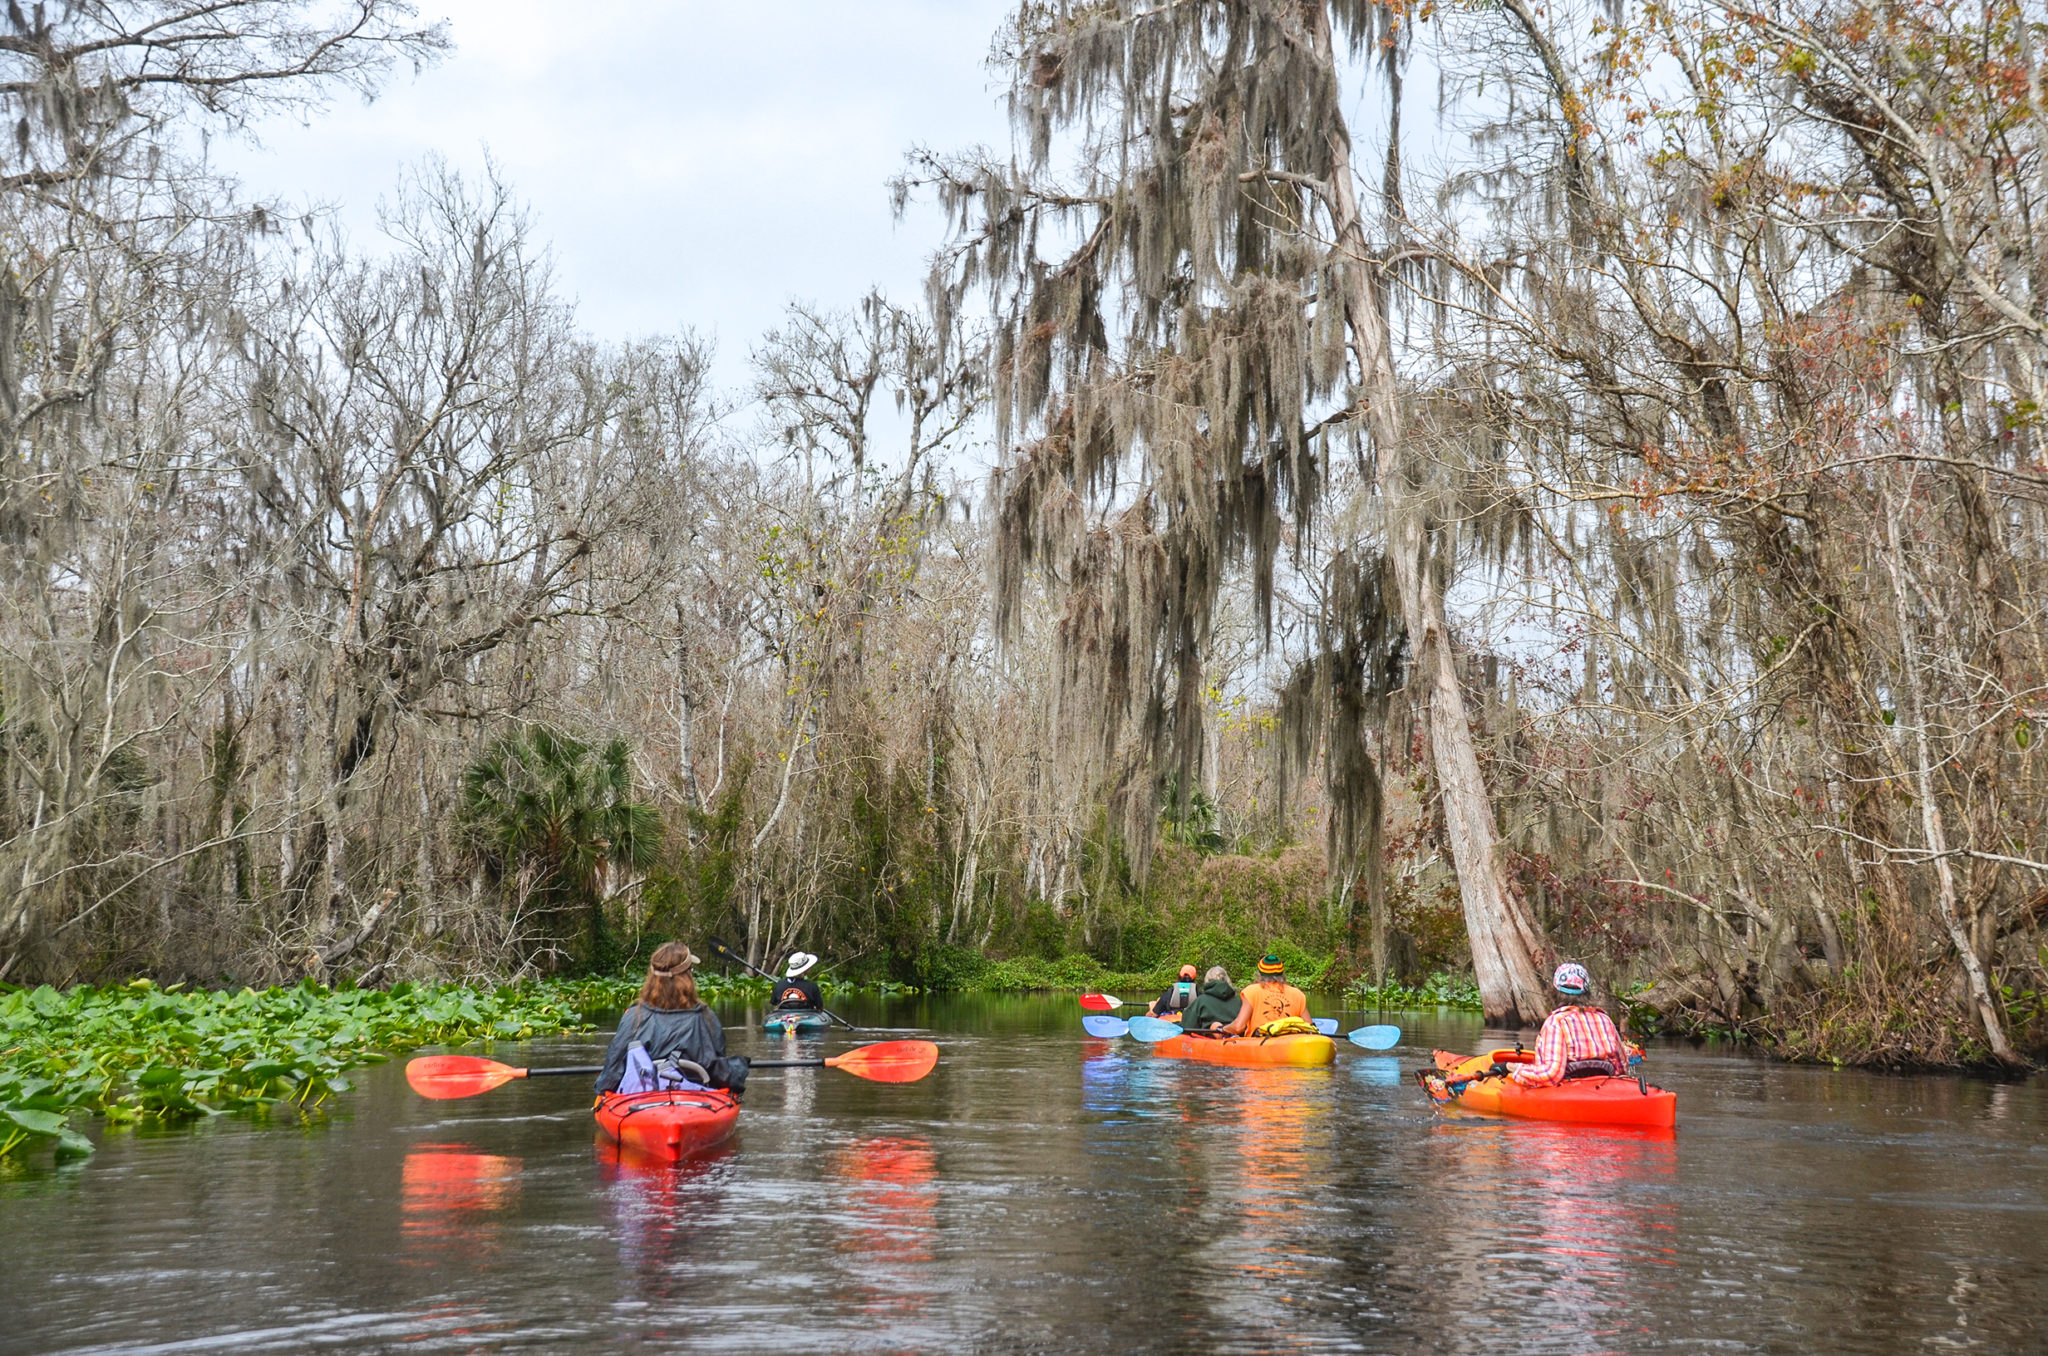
{"points": [[614, 1070], [1548, 1066]]}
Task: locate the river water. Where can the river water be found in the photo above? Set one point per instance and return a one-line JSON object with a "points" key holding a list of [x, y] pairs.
{"points": [[1042, 1191]]}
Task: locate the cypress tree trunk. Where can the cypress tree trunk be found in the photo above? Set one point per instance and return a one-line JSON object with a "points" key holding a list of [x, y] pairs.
{"points": [[1505, 940]]}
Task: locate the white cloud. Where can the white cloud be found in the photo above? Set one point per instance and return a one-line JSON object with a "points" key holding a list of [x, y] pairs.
{"points": [[690, 163]]}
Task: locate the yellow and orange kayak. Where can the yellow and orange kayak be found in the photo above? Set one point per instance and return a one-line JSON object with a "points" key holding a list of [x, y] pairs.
{"points": [[1300, 1050], [1464, 1081]]}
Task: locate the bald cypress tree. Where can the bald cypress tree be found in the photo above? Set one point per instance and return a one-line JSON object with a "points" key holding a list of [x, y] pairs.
{"points": [[1192, 318]]}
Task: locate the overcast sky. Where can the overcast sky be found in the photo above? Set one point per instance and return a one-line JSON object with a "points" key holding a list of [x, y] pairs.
{"points": [[690, 163]]}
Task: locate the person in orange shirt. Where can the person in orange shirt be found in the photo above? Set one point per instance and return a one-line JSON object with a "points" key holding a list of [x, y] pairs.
{"points": [[1267, 999]]}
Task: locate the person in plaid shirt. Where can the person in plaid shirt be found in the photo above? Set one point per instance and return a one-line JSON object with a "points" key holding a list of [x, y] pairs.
{"points": [[1577, 1039]]}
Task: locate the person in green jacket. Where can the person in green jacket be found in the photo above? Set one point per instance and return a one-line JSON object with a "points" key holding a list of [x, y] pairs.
{"points": [[1215, 1005]]}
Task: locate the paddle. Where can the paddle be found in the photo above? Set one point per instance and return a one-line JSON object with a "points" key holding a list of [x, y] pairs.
{"points": [[726, 953], [1101, 1002], [443, 1077], [1151, 1030], [1108, 1028], [1376, 1037]]}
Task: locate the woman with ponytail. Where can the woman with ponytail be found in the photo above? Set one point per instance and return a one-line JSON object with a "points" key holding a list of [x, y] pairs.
{"points": [[671, 1022]]}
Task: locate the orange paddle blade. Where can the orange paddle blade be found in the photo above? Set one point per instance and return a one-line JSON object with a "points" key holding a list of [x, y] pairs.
{"points": [[442, 1077], [888, 1061]]}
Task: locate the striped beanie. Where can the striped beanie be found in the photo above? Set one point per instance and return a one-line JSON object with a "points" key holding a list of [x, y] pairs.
{"points": [[1270, 965]]}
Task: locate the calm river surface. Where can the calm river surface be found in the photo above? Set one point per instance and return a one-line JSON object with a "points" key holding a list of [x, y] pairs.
{"points": [[1046, 1192]]}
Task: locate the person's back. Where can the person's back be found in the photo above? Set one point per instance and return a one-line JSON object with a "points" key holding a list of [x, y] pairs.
{"points": [[1177, 997], [1578, 1039], [669, 1021], [1269, 999], [794, 993], [1215, 1004]]}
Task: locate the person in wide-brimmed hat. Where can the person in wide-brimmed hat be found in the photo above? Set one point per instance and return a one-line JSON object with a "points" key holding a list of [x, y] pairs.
{"points": [[794, 993], [1268, 999], [670, 1023]]}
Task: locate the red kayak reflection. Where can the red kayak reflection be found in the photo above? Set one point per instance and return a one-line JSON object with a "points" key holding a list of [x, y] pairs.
{"points": [[1568, 1223], [449, 1193], [892, 1218]]}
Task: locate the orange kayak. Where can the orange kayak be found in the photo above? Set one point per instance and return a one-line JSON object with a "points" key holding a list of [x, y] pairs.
{"points": [[668, 1125], [1592, 1101], [1301, 1050]]}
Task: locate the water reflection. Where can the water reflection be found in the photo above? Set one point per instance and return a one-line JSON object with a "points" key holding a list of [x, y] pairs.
{"points": [[1378, 1072], [1560, 1221], [1264, 1209], [1117, 1084], [1040, 1193], [449, 1194], [891, 1221], [656, 1205]]}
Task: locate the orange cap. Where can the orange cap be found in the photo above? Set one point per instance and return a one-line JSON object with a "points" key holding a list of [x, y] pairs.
{"points": [[1187, 972]]}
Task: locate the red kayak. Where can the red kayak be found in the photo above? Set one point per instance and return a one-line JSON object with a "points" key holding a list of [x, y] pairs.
{"points": [[669, 1125], [1464, 1081]]}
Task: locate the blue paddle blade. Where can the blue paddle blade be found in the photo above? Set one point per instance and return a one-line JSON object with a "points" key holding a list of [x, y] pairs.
{"points": [[1326, 1025], [1105, 1026], [1151, 1030], [1377, 1037]]}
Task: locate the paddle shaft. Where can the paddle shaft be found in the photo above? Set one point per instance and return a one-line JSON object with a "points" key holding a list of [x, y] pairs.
{"points": [[752, 1064], [724, 952]]}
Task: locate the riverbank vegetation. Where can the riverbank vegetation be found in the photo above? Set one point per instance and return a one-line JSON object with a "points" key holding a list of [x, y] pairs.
{"points": [[134, 1052], [1620, 538]]}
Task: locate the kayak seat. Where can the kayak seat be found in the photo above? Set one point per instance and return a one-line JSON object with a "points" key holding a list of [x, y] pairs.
{"points": [[1590, 1068]]}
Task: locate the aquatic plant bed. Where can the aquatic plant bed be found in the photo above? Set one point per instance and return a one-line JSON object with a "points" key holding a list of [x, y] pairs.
{"points": [[135, 1052], [1441, 990]]}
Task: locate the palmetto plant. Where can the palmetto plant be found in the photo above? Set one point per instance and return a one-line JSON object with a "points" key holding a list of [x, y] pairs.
{"points": [[555, 817]]}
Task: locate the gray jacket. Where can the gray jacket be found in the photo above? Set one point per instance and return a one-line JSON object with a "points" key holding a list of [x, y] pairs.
{"points": [[693, 1033]]}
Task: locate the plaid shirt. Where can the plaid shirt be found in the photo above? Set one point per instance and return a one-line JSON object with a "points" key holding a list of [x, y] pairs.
{"points": [[1572, 1033]]}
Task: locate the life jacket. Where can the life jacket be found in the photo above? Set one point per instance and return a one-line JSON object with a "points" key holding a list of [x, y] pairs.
{"points": [[1286, 1026], [1178, 997]]}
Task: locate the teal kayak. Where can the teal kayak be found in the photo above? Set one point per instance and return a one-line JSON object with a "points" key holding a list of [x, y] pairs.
{"points": [[795, 1021]]}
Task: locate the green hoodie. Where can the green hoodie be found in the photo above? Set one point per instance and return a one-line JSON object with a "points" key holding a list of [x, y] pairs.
{"points": [[1217, 1002]]}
